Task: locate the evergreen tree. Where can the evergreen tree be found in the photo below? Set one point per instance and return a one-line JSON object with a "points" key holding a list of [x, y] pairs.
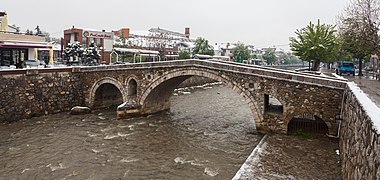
{"points": [[241, 52], [202, 47], [184, 55], [315, 42]]}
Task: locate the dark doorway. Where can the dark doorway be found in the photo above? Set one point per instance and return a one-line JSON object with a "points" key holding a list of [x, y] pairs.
{"points": [[307, 123]]}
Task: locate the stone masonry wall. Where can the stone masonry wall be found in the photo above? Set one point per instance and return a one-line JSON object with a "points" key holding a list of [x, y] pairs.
{"points": [[31, 94], [359, 141]]}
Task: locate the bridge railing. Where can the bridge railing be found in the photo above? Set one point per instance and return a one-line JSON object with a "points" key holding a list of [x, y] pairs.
{"points": [[275, 73]]}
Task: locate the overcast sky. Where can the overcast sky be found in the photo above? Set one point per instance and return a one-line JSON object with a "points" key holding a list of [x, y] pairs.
{"points": [[262, 23]]}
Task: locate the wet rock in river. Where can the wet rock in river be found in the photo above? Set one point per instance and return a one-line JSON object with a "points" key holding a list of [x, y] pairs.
{"points": [[77, 110]]}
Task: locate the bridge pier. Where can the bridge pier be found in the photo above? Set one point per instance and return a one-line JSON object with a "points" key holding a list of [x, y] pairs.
{"points": [[128, 109]]}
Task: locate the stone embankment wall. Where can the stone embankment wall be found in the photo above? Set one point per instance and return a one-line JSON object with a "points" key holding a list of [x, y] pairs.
{"points": [[359, 140], [32, 93]]}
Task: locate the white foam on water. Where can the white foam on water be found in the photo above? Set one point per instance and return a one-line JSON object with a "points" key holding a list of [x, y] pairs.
{"points": [[179, 160], [131, 127], [106, 129], [211, 172], [54, 168], [95, 151], [92, 135], [124, 135], [110, 137], [14, 149], [27, 169], [128, 160], [208, 133]]}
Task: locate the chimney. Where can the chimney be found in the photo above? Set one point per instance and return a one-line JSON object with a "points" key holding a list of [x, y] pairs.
{"points": [[126, 32], [187, 32]]}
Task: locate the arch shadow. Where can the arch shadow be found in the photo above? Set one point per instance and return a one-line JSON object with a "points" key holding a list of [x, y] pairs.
{"points": [[307, 122], [99, 85]]}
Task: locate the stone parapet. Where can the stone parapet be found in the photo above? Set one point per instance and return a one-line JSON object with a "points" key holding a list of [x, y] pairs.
{"points": [[359, 140]]}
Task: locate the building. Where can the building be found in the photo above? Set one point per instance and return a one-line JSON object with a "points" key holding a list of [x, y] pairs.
{"points": [[16, 47], [165, 41], [102, 39]]}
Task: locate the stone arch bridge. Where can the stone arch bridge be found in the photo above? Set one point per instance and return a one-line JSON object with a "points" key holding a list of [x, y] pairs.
{"points": [[146, 88]]}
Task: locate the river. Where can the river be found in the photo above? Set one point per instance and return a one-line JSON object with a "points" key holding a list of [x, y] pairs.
{"points": [[207, 134]]}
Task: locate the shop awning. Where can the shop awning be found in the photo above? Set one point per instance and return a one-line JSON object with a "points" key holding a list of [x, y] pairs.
{"points": [[11, 44]]}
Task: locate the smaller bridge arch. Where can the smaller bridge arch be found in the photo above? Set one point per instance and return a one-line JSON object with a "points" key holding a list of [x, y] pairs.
{"points": [[104, 84], [132, 87]]}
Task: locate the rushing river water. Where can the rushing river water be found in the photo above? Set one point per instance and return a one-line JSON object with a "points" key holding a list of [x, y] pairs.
{"points": [[206, 135]]}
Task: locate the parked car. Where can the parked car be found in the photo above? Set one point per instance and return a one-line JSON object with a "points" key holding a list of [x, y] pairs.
{"points": [[345, 68], [31, 63]]}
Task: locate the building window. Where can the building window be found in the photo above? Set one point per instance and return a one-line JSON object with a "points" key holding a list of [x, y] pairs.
{"points": [[272, 104], [99, 42], [75, 36], [84, 42]]}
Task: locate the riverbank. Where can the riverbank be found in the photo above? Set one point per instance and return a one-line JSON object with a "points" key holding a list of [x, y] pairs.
{"points": [[293, 157]]}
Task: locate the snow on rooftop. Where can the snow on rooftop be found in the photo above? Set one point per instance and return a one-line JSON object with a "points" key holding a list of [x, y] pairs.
{"points": [[140, 33], [373, 111]]}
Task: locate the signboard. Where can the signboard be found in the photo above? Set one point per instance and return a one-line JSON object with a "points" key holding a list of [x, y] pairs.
{"points": [[97, 34]]}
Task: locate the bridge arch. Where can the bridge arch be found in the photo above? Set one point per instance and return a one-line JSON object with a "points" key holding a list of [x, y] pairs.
{"points": [[106, 82], [164, 85], [309, 122]]}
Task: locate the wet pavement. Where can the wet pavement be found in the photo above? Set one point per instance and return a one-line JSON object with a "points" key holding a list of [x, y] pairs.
{"points": [[368, 83]]}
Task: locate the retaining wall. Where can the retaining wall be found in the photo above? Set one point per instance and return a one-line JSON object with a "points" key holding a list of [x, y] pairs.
{"points": [[32, 93], [359, 139]]}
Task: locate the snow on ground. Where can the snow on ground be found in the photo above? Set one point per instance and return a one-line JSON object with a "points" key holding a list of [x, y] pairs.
{"points": [[246, 168]]}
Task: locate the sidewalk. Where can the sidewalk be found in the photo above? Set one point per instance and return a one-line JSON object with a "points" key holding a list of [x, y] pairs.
{"points": [[367, 84]]}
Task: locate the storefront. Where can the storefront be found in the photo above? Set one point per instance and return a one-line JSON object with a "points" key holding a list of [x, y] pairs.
{"points": [[15, 48], [10, 57], [103, 40]]}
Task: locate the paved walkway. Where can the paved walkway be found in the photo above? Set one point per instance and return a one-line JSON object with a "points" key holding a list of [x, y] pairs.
{"points": [[367, 84]]}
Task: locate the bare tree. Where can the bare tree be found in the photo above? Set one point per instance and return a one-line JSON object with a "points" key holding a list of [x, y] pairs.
{"points": [[359, 29], [158, 42]]}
